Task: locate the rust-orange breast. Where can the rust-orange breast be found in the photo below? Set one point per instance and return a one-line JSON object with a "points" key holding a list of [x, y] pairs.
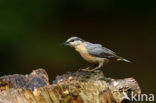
{"points": [[84, 53]]}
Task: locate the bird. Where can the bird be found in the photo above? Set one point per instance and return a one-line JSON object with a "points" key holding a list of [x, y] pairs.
{"points": [[93, 52]]}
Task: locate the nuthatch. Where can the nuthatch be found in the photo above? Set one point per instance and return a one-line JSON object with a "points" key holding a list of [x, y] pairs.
{"points": [[94, 53]]}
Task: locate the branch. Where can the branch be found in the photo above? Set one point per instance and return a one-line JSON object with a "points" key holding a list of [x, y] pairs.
{"points": [[78, 87]]}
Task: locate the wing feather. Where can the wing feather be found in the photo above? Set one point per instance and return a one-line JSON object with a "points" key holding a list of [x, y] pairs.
{"points": [[99, 51]]}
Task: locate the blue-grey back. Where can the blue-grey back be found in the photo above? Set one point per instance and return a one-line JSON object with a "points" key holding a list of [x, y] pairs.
{"points": [[99, 51]]}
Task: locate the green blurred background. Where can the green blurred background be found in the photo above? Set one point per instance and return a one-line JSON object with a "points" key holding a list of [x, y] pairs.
{"points": [[31, 33]]}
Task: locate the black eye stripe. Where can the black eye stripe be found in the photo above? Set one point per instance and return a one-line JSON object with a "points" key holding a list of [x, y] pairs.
{"points": [[74, 40]]}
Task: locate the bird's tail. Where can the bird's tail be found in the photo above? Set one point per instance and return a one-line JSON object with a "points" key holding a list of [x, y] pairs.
{"points": [[124, 60]]}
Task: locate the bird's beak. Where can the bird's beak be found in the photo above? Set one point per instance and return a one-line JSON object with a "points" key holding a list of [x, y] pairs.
{"points": [[65, 44]]}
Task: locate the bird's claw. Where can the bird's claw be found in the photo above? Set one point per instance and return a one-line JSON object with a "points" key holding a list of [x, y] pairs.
{"points": [[89, 70], [86, 69]]}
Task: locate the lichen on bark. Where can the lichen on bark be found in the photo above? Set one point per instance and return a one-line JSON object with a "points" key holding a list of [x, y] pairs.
{"points": [[78, 87]]}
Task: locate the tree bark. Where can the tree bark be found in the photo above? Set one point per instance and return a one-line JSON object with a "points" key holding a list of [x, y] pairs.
{"points": [[78, 87]]}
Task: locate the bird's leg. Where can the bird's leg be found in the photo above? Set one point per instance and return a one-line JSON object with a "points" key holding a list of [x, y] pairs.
{"points": [[89, 68], [99, 66], [93, 66]]}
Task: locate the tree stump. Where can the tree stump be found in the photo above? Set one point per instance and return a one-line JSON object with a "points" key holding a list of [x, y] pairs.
{"points": [[78, 87]]}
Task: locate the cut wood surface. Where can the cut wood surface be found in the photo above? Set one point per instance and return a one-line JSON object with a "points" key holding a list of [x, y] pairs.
{"points": [[78, 87]]}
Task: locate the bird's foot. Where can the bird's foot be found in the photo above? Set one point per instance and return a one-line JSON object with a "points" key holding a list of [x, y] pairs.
{"points": [[90, 70], [86, 69]]}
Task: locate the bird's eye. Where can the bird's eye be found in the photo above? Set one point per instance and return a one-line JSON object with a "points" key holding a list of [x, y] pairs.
{"points": [[72, 41]]}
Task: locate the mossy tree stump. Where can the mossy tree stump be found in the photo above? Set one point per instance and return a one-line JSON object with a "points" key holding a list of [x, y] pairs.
{"points": [[78, 87]]}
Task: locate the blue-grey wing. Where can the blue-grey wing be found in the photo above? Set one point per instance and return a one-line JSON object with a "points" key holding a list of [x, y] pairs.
{"points": [[91, 46], [99, 51]]}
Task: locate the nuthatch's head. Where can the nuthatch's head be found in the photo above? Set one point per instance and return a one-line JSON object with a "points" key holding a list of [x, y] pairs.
{"points": [[74, 41]]}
